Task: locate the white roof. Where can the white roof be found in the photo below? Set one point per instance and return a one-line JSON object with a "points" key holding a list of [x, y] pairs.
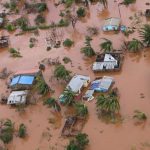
{"points": [[77, 82], [109, 63], [112, 22], [17, 97], [106, 82], [109, 57], [1, 20]]}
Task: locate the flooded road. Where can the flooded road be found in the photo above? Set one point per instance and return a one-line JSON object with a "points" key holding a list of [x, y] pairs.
{"points": [[132, 81]]}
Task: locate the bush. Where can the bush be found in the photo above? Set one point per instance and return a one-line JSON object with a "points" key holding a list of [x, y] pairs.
{"points": [[81, 12], [10, 27], [79, 143], [6, 134], [63, 23], [66, 60], [68, 43], [22, 131], [61, 72], [39, 19], [14, 52], [128, 2], [41, 7], [68, 3]]}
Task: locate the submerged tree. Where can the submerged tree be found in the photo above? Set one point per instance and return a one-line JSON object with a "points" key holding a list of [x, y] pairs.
{"points": [[88, 50], [42, 86], [79, 143], [6, 131], [108, 104], [51, 102], [69, 97], [134, 45], [22, 131], [104, 3], [128, 2], [81, 109], [61, 73], [139, 115], [145, 35], [106, 46]]}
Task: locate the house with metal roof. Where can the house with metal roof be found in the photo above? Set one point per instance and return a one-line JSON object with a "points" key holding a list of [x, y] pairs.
{"points": [[107, 62], [75, 85], [111, 24], [102, 85], [23, 80], [17, 97]]}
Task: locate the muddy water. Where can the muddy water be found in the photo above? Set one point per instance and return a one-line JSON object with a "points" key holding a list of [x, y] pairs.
{"points": [[132, 81]]}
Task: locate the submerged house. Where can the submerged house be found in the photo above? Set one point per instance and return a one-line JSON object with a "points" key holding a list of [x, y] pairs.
{"points": [[4, 42], [107, 62], [76, 84], [1, 21], [102, 85], [17, 97], [24, 80], [147, 13], [111, 24]]}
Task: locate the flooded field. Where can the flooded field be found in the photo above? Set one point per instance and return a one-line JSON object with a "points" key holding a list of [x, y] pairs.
{"points": [[133, 82]]}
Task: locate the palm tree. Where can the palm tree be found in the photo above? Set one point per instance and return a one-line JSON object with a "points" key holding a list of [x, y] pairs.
{"points": [[104, 2], [69, 97], [61, 73], [108, 104], [134, 45], [145, 34], [42, 86], [81, 109], [106, 46], [51, 102], [88, 50]]}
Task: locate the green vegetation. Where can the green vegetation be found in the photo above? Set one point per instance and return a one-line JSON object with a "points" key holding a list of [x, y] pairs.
{"points": [[81, 109], [134, 45], [51, 102], [69, 97], [69, 3], [12, 5], [88, 50], [10, 27], [63, 23], [6, 131], [81, 12], [139, 115], [39, 19], [22, 131], [106, 46], [41, 85], [14, 52], [68, 43], [108, 105], [145, 35], [128, 2], [79, 143], [61, 73], [66, 60], [104, 3]]}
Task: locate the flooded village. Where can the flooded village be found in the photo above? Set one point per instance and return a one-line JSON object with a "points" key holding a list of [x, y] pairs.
{"points": [[74, 74]]}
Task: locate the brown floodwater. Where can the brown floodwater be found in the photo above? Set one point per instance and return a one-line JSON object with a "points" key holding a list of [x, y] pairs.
{"points": [[132, 81]]}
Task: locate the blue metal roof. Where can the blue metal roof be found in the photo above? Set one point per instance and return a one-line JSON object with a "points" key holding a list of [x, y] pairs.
{"points": [[22, 79]]}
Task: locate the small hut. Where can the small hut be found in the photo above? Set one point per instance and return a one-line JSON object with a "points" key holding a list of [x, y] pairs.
{"points": [[4, 42]]}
